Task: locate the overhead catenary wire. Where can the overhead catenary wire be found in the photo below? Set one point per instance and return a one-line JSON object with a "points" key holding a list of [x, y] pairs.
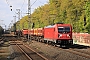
{"points": [[40, 2], [22, 8], [23, 4], [34, 2], [9, 5], [7, 2]]}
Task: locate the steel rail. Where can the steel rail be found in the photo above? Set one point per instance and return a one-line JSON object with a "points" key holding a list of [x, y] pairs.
{"points": [[78, 53], [37, 53], [24, 52], [73, 51]]}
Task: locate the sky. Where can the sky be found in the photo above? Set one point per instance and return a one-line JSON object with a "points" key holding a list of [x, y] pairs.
{"points": [[7, 16]]}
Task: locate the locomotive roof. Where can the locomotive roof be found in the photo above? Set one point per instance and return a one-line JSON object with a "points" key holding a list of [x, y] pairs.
{"points": [[24, 29], [51, 26]]}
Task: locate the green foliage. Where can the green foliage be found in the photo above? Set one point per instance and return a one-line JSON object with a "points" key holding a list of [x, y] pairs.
{"points": [[87, 27], [73, 12]]}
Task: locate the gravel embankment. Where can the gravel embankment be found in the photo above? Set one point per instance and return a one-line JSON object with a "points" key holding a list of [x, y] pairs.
{"points": [[55, 53]]}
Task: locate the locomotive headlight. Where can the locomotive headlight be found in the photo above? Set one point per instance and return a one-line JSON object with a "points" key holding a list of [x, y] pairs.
{"points": [[59, 35], [68, 35]]}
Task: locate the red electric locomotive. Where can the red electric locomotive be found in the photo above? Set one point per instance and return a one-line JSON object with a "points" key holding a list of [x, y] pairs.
{"points": [[59, 34]]}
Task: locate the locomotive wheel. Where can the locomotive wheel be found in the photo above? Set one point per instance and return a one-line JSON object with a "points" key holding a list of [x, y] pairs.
{"points": [[49, 42], [45, 41], [55, 45]]}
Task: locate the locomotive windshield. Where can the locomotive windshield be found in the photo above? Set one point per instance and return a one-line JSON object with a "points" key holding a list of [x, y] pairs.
{"points": [[63, 29]]}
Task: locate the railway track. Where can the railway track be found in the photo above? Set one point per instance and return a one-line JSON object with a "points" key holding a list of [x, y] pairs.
{"points": [[70, 50], [78, 52], [75, 49], [28, 52]]}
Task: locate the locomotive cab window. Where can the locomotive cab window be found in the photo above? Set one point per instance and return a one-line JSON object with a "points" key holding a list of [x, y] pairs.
{"points": [[63, 29]]}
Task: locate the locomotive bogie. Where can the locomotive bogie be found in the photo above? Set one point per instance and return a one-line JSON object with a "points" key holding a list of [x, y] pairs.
{"points": [[64, 42]]}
